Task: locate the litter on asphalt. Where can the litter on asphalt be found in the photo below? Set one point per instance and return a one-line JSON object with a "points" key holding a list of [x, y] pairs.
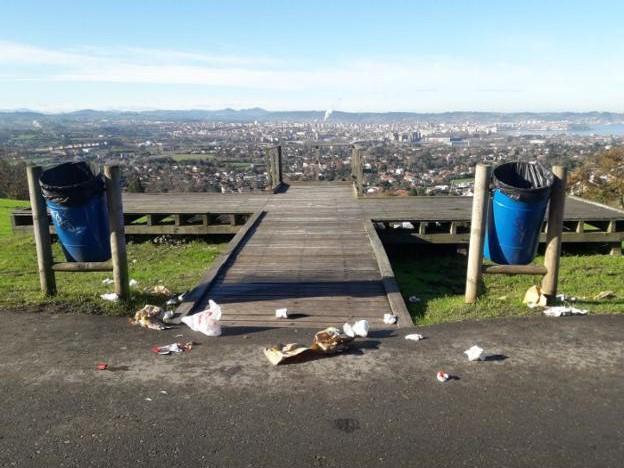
{"points": [[359, 328], [150, 316], [173, 348], [206, 321], [414, 337], [442, 376], [101, 366], [475, 353], [564, 311]]}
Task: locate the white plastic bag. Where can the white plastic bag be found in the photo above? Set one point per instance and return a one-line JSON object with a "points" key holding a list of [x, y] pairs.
{"points": [[206, 321]]}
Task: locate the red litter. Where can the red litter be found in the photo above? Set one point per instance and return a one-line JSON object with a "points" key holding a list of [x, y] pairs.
{"points": [[442, 376], [173, 348], [101, 366]]}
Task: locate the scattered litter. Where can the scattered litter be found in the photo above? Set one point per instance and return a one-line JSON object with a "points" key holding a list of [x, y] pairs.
{"points": [[414, 337], [442, 376], [359, 328], [534, 298], [167, 317], [107, 281], [148, 399], [328, 341], [133, 283], [160, 289], [113, 297], [407, 225], [281, 313], [414, 299], [164, 392], [390, 319], [150, 317], [475, 353], [178, 336], [206, 321], [101, 366], [281, 352], [173, 348], [565, 298], [604, 295], [182, 296], [563, 311], [172, 302], [502, 298]]}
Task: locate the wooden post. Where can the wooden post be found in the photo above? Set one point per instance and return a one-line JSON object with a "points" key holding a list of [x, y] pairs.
{"points": [[616, 247], [477, 231], [357, 170], [553, 233], [41, 230], [117, 234], [279, 165]]}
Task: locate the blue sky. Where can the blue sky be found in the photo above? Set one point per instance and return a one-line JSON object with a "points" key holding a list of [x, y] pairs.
{"points": [[420, 56]]}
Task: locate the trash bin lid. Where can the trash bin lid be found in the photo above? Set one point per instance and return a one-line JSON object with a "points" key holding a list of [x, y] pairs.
{"points": [[70, 183]]}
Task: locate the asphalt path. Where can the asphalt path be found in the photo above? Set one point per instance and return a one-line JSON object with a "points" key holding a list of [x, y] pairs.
{"points": [[551, 395]]}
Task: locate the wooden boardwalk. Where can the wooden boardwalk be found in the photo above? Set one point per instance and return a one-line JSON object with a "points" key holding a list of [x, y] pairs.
{"points": [[309, 253]]}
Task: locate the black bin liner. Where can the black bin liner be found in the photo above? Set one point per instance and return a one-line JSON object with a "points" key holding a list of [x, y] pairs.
{"points": [[525, 181], [71, 184]]}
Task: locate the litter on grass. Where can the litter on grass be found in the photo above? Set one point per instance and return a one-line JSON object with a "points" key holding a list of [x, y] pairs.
{"points": [[173, 348], [151, 317], [160, 289], [112, 297], [602, 295], [281, 313], [442, 376], [475, 353], [414, 337], [390, 319], [564, 311], [107, 281], [534, 298], [206, 321], [414, 299], [132, 283], [328, 341]]}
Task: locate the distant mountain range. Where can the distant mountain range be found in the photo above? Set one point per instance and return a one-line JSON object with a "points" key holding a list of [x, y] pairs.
{"points": [[262, 115]]}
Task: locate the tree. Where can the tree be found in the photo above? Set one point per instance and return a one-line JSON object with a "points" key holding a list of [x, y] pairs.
{"points": [[13, 183], [601, 177], [134, 184]]}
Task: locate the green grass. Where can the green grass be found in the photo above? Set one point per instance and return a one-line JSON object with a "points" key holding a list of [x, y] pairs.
{"points": [[192, 157], [178, 267], [439, 280]]}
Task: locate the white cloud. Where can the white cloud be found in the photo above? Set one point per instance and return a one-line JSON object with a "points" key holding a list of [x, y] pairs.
{"points": [[388, 83]]}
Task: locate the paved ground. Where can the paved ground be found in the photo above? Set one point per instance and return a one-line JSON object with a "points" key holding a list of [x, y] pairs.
{"points": [[557, 400]]}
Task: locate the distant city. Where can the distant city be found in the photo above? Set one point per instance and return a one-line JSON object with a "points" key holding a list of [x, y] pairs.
{"points": [[405, 154]]}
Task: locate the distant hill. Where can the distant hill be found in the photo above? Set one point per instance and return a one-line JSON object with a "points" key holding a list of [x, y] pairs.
{"points": [[25, 117]]}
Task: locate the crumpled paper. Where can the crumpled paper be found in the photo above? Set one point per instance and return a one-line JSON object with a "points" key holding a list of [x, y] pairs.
{"points": [[564, 311], [475, 353]]}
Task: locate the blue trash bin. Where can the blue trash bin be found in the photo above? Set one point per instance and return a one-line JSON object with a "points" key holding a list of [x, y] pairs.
{"points": [[516, 212], [77, 203]]}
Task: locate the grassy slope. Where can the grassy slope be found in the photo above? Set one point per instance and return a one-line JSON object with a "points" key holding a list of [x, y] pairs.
{"points": [[178, 267], [439, 282]]}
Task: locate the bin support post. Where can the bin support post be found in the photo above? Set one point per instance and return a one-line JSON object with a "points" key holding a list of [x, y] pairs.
{"points": [[553, 233], [477, 231], [117, 233], [41, 230]]}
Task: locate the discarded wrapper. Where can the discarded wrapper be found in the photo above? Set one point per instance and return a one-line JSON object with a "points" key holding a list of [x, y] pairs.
{"points": [[113, 297], [475, 353], [534, 297], [281, 313], [173, 348], [132, 283], [149, 317], [101, 366], [414, 299], [328, 341], [160, 289], [359, 328], [604, 295], [206, 321], [107, 281], [564, 311], [442, 376], [414, 337], [390, 319]]}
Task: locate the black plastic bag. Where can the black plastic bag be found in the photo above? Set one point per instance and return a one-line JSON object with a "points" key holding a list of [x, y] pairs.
{"points": [[523, 181], [71, 184]]}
